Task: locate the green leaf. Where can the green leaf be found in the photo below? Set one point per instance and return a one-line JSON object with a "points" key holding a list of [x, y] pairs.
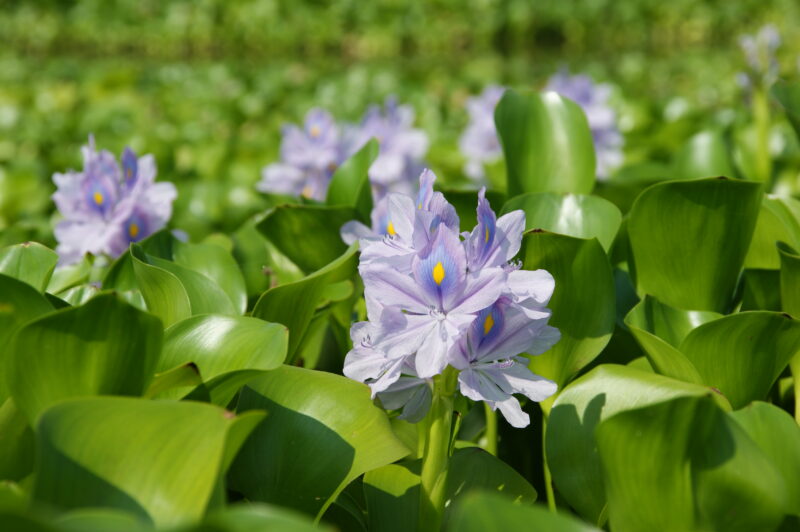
{"points": [[350, 186], [65, 277], [392, 491], [101, 520], [743, 354], [660, 329], [778, 220], [778, 437], [302, 297], [205, 296], [583, 301], [256, 517], [16, 443], [307, 234], [790, 279], [569, 214], [176, 381], [226, 350], [578, 409], [684, 465], [78, 295], [689, 240], [111, 452], [547, 143], [487, 512], [788, 95], [218, 265], [705, 154], [162, 291], [761, 290], [30, 262], [105, 347], [322, 432]]}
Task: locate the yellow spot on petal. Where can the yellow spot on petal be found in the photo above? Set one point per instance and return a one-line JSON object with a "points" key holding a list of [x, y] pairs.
{"points": [[307, 191], [438, 273], [390, 229], [419, 206], [133, 230], [315, 132], [129, 173], [98, 198], [487, 235], [488, 323]]}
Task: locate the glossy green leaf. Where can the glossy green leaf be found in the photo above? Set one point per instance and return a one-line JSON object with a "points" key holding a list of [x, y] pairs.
{"points": [[111, 452], [790, 279], [78, 295], [547, 143], [583, 302], [761, 290], [205, 295], [705, 154], [218, 265], [684, 465], [788, 95], [689, 240], [569, 214], [101, 520], [392, 491], [161, 290], [105, 347], [65, 277], [16, 443], [598, 395], [307, 234], [302, 297], [660, 329], [487, 512], [177, 381], [778, 437], [224, 348], [778, 220], [743, 354], [322, 432], [350, 186], [30, 262], [256, 517]]}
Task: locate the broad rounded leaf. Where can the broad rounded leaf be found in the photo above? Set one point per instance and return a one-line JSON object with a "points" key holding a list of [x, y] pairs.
{"points": [[350, 186], [790, 279], [256, 517], [322, 432], [684, 465], [690, 238], [547, 143], [487, 512], [706, 154], [218, 265], [30, 262], [105, 347], [569, 214], [583, 302], [743, 354], [601, 393], [778, 220], [112, 452]]}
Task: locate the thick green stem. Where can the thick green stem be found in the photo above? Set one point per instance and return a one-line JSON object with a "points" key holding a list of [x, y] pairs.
{"points": [[491, 430], [436, 455], [548, 478], [761, 117]]}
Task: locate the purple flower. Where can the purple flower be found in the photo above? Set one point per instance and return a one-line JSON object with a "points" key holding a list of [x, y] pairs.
{"points": [[309, 156], [479, 142], [593, 99], [435, 300], [402, 147], [106, 207], [759, 51]]}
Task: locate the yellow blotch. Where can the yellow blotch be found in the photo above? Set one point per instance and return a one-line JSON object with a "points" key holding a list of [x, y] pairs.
{"points": [[487, 235], [307, 191], [438, 273], [129, 173], [133, 230], [390, 229], [98, 198], [315, 131], [488, 323]]}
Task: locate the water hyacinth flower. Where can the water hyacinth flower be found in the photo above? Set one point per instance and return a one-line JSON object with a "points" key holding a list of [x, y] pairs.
{"points": [[107, 206], [309, 156], [759, 50], [593, 99], [437, 298], [479, 142]]}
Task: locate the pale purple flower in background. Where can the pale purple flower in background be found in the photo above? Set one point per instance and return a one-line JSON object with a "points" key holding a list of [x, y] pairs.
{"points": [[435, 300], [594, 100], [309, 156], [479, 142], [105, 207], [760, 53], [402, 146]]}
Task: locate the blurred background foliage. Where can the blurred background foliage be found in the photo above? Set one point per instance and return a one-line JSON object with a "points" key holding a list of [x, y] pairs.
{"points": [[205, 85]]}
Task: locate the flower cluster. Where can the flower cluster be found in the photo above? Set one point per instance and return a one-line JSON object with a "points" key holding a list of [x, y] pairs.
{"points": [[310, 155], [107, 205], [759, 51], [593, 99], [436, 298], [479, 142]]}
